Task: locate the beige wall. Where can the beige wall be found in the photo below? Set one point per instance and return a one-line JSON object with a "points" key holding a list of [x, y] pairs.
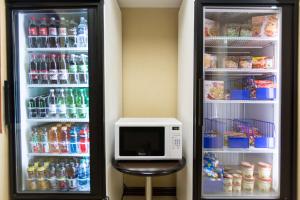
{"points": [[150, 40]]}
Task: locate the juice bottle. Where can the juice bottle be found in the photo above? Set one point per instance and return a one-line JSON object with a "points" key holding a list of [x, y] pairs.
{"points": [[53, 140], [63, 140], [31, 178], [42, 182], [72, 177]]}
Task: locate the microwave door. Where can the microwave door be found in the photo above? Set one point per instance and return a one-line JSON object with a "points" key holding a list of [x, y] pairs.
{"points": [[142, 141]]}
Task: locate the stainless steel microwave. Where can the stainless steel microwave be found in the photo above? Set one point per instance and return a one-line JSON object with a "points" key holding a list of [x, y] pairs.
{"points": [[148, 139]]}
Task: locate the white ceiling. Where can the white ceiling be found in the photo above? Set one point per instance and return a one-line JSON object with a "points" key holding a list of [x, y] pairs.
{"points": [[150, 3]]}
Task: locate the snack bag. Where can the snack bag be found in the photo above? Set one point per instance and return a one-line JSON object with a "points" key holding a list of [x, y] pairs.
{"points": [[231, 62], [245, 62], [265, 26], [214, 90], [211, 28]]}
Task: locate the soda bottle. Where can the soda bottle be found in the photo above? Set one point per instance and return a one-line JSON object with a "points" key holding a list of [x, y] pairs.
{"points": [[44, 145], [82, 33], [52, 104], [62, 33], [34, 141], [70, 101], [61, 177], [61, 104], [32, 108], [72, 34], [31, 180], [73, 140], [72, 177], [81, 106], [53, 72], [52, 29], [32, 33], [62, 67], [43, 33], [83, 69], [83, 142], [42, 182], [34, 70], [52, 177], [63, 140], [73, 76], [53, 140], [82, 175], [42, 107], [44, 69]]}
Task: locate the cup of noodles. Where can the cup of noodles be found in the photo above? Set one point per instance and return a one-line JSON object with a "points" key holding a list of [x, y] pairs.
{"points": [[228, 183], [237, 183], [264, 170], [248, 184], [264, 184], [247, 169]]}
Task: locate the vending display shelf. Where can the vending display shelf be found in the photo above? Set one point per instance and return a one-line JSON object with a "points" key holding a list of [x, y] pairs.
{"points": [[58, 120], [243, 195], [242, 101], [239, 150], [240, 71], [59, 154], [70, 49], [238, 42], [58, 85]]}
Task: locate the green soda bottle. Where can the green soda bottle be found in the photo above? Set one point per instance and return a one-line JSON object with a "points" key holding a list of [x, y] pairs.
{"points": [[81, 104], [70, 101], [61, 104]]}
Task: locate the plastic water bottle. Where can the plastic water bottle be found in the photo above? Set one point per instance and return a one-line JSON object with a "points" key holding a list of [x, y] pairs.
{"points": [[82, 175], [82, 33]]}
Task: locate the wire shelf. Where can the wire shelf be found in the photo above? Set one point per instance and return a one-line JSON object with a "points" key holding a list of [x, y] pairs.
{"points": [[238, 42]]}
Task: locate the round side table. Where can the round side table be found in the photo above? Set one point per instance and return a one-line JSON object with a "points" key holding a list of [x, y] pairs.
{"points": [[148, 169]]}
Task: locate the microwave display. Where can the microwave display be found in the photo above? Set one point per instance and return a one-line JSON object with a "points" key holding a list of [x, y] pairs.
{"points": [[142, 141]]}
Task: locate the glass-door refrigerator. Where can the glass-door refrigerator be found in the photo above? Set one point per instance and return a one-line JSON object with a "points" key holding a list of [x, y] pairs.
{"points": [[54, 99], [245, 129]]}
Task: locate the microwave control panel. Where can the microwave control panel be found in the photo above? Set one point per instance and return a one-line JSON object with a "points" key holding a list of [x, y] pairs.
{"points": [[176, 141]]}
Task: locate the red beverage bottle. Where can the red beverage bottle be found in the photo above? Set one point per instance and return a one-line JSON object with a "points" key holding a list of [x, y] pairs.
{"points": [[43, 33], [53, 72], [52, 39], [32, 33], [83, 141], [62, 33], [34, 71], [44, 69]]}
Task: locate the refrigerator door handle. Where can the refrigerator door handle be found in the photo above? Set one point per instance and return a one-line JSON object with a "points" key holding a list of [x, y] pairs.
{"points": [[7, 103]]}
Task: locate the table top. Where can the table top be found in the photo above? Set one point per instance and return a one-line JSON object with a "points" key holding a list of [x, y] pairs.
{"points": [[149, 168]]}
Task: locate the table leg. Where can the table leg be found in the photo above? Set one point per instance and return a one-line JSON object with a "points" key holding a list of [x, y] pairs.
{"points": [[148, 188]]}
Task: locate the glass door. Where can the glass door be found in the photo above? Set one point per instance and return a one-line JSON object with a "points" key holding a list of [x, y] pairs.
{"points": [[52, 91], [241, 105]]}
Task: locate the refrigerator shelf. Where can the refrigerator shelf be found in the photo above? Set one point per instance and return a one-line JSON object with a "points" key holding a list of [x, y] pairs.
{"points": [[240, 71], [242, 101], [243, 195], [58, 85], [239, 150], [57, 120], [74, 49], [59, 154], [238, 42]]}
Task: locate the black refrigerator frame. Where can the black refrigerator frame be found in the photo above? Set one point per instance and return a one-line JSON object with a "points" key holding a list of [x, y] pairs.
{"points": [[96, 93], [289, 54]]}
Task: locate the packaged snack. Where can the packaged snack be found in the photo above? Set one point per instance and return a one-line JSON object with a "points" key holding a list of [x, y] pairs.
{"points": [[262, 62], [248, 184], [264, 84], [232, 30], [237, 183], [245, 62], [247, 170], [245, 30], [211, 28], [231, 62], [210, 61], [265, 26], [214, 90], [228, 183], [264, 170], [264, 184]]}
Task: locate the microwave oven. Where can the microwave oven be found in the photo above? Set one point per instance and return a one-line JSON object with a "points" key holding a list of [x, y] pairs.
{"points": [[148, 139]]}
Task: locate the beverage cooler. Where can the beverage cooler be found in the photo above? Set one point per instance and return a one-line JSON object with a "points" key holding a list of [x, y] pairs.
{"points": [[54, 99], [246, 96]]}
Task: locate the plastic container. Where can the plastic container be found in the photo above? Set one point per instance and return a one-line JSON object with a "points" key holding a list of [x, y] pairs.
{"points": [[212, 185], [238, 142], [240, 94], [264, 170], [264, 142], [265, 93], [212, 141], [247, 170], [264, 185], [237, 183], [228, 183], [248, 185]]}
